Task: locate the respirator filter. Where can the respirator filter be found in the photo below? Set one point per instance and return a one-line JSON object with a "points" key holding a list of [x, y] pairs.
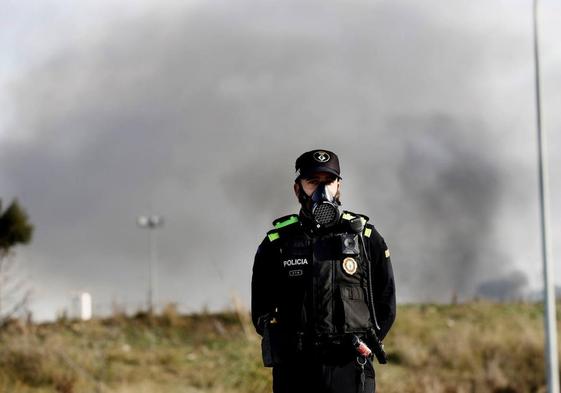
{"points": [[325, 209], [325, 213]]}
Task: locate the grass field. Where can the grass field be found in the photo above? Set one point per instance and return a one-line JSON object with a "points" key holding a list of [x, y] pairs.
{"points": [[473, 347]]}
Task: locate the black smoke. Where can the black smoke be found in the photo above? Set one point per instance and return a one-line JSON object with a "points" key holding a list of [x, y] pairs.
{"points": [[511, 286], [198, 114]]}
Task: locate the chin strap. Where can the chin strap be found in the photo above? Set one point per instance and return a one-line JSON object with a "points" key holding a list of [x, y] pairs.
{"points": [[305, 201]]}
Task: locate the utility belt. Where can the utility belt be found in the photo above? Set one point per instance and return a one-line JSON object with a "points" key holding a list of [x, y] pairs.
{"points": [[332, 349], [278, 347], [323, 341]]}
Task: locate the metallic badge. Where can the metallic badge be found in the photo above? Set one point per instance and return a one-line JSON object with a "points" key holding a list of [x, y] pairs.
{"points": [[296, 273], [349, 265], [322, 156]]}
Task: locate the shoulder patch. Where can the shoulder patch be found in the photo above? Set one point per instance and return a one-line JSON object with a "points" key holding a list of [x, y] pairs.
{"points": [[273, 235], [285, 221], [283, 225], [348, 215], [369, 230]]}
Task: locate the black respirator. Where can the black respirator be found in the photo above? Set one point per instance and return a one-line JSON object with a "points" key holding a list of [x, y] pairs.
{"points": [[322, 205]]}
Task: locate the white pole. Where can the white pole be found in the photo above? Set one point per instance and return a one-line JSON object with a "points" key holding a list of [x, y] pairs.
{"points": [[151, 272], [549, 293], [151, 223]]}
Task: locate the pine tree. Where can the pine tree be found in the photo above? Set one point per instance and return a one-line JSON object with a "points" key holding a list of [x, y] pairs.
{"points": [[15, 229]]}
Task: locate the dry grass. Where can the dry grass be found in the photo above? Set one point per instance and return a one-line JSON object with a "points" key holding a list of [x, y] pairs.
{"points": [[475, 347]]}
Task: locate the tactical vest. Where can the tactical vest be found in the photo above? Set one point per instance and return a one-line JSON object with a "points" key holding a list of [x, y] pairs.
{"points": [[323, 282]]}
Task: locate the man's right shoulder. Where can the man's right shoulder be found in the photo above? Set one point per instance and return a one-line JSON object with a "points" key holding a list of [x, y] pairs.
{"points": [[282, 226]]}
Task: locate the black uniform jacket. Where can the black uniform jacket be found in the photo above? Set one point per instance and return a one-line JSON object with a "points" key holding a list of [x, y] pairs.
{"points": [[266, 285]]}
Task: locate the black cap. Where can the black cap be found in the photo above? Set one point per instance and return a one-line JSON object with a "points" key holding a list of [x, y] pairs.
{"points": [[317, 161]]}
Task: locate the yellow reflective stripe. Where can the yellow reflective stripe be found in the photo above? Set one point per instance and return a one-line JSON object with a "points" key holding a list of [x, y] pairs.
{"points": [[347, 216], [273, 236], [387, 253], [367, 232], [291, 220]]}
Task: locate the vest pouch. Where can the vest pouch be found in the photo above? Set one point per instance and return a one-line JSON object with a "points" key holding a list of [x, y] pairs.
{"points": [[271, 345], [355, 308]]}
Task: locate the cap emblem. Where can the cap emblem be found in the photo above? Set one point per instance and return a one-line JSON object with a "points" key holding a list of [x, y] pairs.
{"points": [[321, 156]]}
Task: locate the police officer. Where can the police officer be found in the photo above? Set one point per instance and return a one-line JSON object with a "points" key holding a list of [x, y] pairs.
{"points": [[323, 294]]}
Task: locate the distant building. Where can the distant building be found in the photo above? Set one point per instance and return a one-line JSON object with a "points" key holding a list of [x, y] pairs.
{"points": [[81, 306]]}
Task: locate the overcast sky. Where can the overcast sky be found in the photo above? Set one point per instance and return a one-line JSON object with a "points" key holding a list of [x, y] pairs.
{"points": [[197, 111]]}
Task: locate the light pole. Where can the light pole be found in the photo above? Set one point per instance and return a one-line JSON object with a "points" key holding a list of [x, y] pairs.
{"points": [[152, 223], [550, 320]]}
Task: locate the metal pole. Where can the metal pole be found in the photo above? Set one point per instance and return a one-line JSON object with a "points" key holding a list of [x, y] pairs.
{"points": [[151, 272], [549, 293], [151, 223]]}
